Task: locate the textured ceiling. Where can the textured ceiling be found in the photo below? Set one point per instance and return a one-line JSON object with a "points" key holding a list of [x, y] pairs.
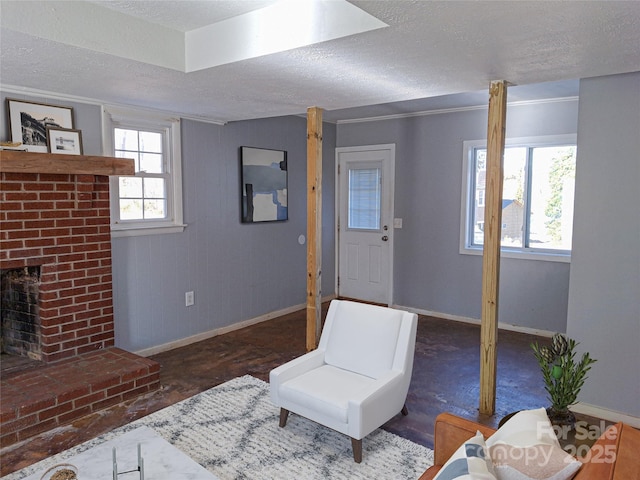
{"points": [[431, 52], [184, 15]]}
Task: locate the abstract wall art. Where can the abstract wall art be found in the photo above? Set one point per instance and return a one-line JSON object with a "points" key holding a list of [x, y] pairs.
{"points": [[263, 184]]}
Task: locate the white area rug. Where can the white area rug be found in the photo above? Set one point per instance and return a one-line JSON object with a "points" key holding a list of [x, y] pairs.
{"points": [[232, 430]]}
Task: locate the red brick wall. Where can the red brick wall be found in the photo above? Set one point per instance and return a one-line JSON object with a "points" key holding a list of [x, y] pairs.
{"points": [[36, 401], [61, 222]]}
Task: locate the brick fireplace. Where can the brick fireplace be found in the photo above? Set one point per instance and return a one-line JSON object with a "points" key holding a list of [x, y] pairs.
{"points": [[60, 223], [57, 226]]}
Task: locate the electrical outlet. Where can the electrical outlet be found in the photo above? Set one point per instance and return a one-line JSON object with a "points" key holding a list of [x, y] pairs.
{"points": [[189, 299]]}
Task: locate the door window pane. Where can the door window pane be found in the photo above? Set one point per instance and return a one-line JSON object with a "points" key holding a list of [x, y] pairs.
{"points": [[364, 198]]}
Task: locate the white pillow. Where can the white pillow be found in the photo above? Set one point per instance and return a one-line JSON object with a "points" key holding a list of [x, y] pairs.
{"points": [[526, 448], [526, 428], [469, 462], [537, 462]]}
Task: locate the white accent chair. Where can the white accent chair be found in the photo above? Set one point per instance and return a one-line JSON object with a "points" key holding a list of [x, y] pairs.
{"points": [[358, 377]]}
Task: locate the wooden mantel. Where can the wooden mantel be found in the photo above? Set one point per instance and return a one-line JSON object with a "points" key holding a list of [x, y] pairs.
{"points": [[33, 162]]}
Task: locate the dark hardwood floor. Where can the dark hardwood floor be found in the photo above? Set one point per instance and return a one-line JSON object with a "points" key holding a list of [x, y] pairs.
{"points": [[445, 378]]}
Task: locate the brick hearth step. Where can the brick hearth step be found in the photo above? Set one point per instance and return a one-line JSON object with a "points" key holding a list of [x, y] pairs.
{"points": [[37, 400]]}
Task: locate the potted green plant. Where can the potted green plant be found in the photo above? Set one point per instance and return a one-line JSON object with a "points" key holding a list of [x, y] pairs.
{"points": [[563, 376]]}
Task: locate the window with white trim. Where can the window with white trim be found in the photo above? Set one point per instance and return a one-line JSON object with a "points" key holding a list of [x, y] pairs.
{"points": [[150, 201], [537, 197]]}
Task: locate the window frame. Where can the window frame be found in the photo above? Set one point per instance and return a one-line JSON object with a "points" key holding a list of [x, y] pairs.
{"points": [[468, 199], [116, 117]]}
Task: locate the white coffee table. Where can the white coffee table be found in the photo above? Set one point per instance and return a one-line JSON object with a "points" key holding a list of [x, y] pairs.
{"points": [[161, 459]]}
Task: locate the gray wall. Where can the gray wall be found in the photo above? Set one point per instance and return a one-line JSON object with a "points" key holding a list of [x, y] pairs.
{"points": [[604, 289], [429, 272], [237, 271]]}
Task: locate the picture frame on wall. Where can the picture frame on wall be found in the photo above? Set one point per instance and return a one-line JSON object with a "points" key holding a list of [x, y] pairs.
{"points": [[67, 141], [28, 122], [263, 177]]}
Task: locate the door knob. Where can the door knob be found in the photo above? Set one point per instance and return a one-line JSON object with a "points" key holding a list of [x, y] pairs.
{"points": [[385, 238]]}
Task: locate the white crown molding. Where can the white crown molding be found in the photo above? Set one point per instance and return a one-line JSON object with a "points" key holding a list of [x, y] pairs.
{"points": [[455, 109], [63, 97], [17, 90]]}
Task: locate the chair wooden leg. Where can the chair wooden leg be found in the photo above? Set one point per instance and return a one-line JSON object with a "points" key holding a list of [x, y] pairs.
{"points": [[356, 445], [405, 410], [284, 414]]}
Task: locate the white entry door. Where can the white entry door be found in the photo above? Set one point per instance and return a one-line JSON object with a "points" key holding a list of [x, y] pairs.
{"points": [[365, 180]]}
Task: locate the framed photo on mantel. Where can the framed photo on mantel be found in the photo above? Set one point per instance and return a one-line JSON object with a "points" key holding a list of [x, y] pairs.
{"points": [[28, 122], [64, 141], [263, 178]]}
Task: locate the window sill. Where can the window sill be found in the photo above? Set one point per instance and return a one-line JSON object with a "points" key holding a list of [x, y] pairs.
{"points": [[538, 256], [118, 231]]}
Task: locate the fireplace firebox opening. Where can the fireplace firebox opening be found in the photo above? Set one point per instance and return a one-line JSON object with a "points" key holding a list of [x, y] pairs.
{"points": [[19, 312]]}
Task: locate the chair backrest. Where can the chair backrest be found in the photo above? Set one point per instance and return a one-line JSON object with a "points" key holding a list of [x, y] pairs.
{"points": [[364, 338]]}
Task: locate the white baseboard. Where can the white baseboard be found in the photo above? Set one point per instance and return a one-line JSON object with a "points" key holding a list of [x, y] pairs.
{"points": [[476, 321], [606, 414], [183, 342], [583, 408]]}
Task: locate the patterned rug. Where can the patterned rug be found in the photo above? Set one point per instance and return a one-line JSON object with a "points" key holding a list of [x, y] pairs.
{"points": [[232, 430]]}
